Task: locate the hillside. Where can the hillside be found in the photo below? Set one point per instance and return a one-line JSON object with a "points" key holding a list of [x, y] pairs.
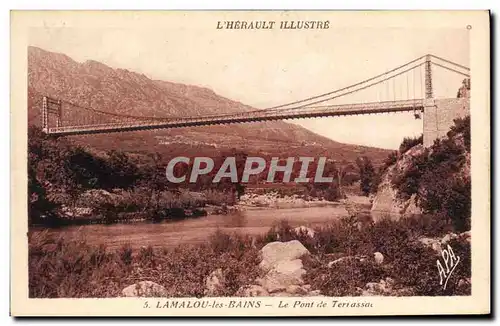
{"points": [[434, 180], [93, 84]]}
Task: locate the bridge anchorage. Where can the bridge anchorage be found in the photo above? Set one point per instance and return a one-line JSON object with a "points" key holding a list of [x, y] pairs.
{"points": [[406, 88]]}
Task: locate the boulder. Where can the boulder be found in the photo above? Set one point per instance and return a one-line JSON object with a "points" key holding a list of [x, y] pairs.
{"points": [[283, 276], [384, 287], [76, 212], [293, 268], [390, 281], [296, 289], [284, 272], [375, 287], [252, 291], [465, 236], [304, 230], [274, 252], [145, 289], [214, 283], [447, 238], [434, 244], [379, 258], [464, 284], [346, 259]]}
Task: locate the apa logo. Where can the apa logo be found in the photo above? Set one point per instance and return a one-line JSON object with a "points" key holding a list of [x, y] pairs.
{"points": [[450, 262]]}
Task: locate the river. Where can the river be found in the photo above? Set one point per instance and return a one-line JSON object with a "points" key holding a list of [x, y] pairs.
{"points": [[252, 221]]}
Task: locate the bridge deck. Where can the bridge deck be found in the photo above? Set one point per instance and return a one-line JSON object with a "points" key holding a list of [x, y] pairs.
{"points": [[280, 114]]}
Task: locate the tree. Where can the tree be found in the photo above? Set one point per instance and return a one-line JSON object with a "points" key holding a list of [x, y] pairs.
{"points": [[123, 172], [366, 173]]}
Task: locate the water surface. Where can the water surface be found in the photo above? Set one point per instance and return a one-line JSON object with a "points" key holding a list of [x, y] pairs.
{"points": [[195, 230]]}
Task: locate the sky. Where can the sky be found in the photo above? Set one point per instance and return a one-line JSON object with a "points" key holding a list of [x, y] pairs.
{"points": [[264, 68]]}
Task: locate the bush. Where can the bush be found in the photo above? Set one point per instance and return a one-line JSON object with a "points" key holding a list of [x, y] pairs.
{"points": [[344, 279], [409, 142], [61, 268], [406, 261]]}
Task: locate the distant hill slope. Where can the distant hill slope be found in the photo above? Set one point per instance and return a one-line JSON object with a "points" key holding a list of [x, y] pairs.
{"points": [[93, 84]]}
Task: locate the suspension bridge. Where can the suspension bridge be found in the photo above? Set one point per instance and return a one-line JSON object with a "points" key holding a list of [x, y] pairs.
{"points": [[406, 88]]}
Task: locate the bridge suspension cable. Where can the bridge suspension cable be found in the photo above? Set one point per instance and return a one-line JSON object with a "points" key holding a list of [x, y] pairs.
{"points": [[292, 108], [347, 87], [281, 107], [450, 62]]}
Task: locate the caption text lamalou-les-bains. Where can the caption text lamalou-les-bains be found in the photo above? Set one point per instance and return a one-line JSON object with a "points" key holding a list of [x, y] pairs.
{"points": [[253, 166]]}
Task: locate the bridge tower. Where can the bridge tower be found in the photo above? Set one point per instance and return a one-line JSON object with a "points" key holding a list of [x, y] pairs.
{"points": [[428, 77], [439, 114], [51, 107], [59, 114], [45, 114]]}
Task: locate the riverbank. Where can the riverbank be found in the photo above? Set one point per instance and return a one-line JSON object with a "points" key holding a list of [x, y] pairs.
{"points": [[387, 258], [119, 206], [99, 206], [274, 199]]}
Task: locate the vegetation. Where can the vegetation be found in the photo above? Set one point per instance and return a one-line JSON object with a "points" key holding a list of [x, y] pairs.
{"points": [[60, 267], [367, 174], [72, 268], [67, 182], [71, 184], [440, 177], [409, 142]]}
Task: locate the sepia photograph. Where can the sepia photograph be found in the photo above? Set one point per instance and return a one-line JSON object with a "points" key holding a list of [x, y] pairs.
{"points": [[215, 161]]}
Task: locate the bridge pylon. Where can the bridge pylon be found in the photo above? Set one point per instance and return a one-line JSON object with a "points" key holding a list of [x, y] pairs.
{"points": [[428, 77], [45, 114], [51, 107]]}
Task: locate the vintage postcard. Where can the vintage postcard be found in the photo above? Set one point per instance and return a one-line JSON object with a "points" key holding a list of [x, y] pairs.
{"points": [[250, 163]]}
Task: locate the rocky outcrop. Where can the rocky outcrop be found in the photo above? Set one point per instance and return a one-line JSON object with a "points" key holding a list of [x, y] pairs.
{"points": [[386, 202], [438, 244], [273, 199], [145, 289]]}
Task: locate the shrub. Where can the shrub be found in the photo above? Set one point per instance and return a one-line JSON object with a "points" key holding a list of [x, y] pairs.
{"points": [[406, 260], [344, 279], [409, 142], [390, 160]]}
